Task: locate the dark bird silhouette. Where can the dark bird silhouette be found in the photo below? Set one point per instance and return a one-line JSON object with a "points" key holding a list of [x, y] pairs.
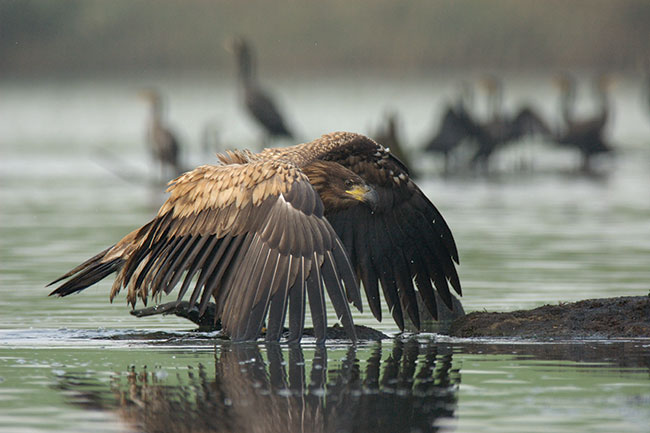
{"points": [[497, 133], [258, 103], [163, 144], [456, 126], [586, 135], [261, 233], [500, 128]]}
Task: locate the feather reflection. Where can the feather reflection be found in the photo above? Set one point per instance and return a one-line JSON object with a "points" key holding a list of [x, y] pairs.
{"points": [[409, 387]]}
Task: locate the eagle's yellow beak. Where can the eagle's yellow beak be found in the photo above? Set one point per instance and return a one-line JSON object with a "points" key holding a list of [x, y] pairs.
{"points": [[366, 194]]}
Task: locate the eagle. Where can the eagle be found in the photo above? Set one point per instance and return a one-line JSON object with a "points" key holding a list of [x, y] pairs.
{"points": [[265, 234]]}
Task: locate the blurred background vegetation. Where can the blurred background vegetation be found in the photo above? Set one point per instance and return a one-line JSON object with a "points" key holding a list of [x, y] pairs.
{"points": [[43, 37]]}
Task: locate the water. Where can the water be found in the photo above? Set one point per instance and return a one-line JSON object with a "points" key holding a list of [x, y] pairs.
{"points": [[525, 239], [173, 384]]}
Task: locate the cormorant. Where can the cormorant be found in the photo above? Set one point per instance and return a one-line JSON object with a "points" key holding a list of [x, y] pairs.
{"points": [[501, 128], [258, 103], [499, 132], [163, 145], [456, 126], [586, 135]]}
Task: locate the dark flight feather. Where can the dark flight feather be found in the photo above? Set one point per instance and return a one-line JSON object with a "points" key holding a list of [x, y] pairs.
{"points": [[278, 308], [317, 300]]}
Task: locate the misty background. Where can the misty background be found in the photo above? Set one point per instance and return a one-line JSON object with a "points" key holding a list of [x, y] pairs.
{"points": [[99, 37]]}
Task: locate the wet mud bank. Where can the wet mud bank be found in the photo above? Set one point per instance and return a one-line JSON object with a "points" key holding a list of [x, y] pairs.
{"points": [[622, 317]]}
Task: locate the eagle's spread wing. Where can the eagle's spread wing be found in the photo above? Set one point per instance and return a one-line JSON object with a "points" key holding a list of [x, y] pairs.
{"points": [[255, 235], [406, 238], [251, 235]]}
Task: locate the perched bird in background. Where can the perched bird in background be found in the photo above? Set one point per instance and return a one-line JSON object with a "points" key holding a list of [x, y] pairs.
{"points": [[163, 144], [211, 139], [586, 135], [262, 233], [456, 126], [646, 98], [503, 130], [493, 86], [258, 103], [595, 124], [388, 135]]}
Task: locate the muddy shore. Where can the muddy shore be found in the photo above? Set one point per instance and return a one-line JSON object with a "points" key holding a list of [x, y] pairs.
{"points": [[622, 317]]}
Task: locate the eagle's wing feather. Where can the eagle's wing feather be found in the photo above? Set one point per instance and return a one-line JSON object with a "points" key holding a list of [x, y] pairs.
{"points": [[404, 239], [252, 236]]}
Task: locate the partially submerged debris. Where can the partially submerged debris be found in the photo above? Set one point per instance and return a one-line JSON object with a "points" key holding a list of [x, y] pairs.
{"points": [[207, 323]]}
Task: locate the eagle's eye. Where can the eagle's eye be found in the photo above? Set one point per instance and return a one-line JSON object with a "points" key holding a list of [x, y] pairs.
{"points": [[348, 183]]}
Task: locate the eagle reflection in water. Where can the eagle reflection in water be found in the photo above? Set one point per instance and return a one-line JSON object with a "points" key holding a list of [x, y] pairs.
{"points": [[411, 387]]}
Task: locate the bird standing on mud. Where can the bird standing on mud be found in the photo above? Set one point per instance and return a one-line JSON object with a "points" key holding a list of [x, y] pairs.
{"points": [[262, 233]]}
